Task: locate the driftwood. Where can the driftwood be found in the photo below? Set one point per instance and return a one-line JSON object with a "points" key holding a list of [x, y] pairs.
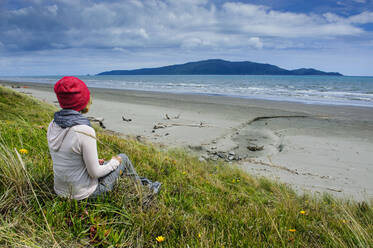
{"points": [[126, 119], [255, 148], [99, 120], [169, 117], [335, 190], [159, 126], [96, 119], [163, 125]]}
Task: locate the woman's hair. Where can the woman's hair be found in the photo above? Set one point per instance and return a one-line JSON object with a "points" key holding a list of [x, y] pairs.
{"points": [[86, 108]]}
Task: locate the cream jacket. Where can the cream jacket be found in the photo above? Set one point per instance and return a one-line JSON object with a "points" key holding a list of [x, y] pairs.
{"points": [[75, 160]]}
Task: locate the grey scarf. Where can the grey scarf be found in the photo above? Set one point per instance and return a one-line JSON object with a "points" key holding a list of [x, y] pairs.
{"points": [[68, 118]]}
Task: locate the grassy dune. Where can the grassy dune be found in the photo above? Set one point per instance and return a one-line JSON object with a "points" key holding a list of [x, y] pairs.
{"points": [[201, 204]]}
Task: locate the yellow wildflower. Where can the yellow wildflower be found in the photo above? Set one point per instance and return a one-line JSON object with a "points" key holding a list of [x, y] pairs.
{"points": [[160, 239], [238, 180], [344, 221], [23, 151], [292, 230], [199, 235], [234, 180], [302, 212], [184, 172]]}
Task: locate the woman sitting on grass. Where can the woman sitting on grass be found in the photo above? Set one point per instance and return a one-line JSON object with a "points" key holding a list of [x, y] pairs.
{"points": [[78, 173]]}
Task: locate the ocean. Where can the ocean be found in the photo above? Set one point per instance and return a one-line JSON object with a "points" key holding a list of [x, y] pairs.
{"points": [[332, 90]]}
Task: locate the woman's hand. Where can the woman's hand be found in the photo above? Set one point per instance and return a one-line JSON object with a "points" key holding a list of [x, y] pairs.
{"points": [[117, 158]]}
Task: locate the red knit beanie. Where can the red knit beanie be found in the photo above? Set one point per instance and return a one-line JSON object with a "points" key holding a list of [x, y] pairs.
{"points": [[72, 93]]}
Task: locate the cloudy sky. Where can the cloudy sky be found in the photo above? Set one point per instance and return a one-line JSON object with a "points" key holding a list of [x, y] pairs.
{"points": [[76, 37]]}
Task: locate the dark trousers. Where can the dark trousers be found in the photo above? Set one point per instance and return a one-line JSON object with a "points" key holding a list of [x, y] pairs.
{"points": [[106, 183]]}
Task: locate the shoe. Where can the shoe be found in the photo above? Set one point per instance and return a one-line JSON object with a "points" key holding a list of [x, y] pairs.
{"points": [[155, 187]]}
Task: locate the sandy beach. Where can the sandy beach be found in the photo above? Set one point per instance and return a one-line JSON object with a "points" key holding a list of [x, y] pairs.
{"points": [[317, 148]]}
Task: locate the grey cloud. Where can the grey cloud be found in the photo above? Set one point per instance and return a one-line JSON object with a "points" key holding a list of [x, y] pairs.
{"points": [[62, 24]]}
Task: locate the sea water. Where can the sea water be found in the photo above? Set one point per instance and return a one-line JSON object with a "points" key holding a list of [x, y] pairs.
{"points": [[346, 90]]}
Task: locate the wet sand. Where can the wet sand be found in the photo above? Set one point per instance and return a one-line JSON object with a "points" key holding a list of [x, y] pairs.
{"points": [[317, 148]]}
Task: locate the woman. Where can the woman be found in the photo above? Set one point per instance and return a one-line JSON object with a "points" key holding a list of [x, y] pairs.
{"points": [[78, 173]]}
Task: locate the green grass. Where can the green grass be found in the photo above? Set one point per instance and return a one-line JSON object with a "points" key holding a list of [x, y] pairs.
{"points": [[201, 204]]}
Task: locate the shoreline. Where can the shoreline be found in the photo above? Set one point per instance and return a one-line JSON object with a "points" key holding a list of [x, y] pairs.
{"points": [[247, 98], [317, 148]]}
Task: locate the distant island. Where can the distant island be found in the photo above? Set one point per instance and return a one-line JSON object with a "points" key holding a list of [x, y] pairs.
{"points": [[220, 67]]}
